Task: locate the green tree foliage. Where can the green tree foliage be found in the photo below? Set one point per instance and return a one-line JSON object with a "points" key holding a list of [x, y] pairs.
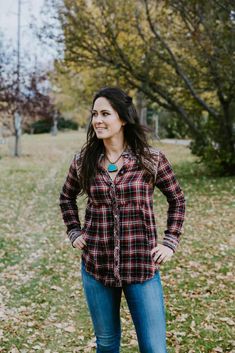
{"points": [[73, 88], [179, 53]]}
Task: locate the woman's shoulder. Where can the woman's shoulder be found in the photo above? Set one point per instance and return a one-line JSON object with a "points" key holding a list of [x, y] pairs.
{"points": [[157, 156], [76, 159], [156, 153], [152, 158], [77, 155]]}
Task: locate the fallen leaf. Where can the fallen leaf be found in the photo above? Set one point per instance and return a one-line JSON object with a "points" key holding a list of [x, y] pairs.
{"points": [[70, 329], [218, 349], [228, 320]]}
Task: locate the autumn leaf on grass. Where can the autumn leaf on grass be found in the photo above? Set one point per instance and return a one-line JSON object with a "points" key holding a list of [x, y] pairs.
{"points": [[81, 338], [58, 289], [70, 328], [228, 321], [133, 342], [91, 344], [182, 317], [14, 350], [37, 347], [218, 350], [65, 326], [192, 326]]}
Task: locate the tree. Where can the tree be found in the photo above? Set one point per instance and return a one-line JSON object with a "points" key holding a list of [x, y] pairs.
{"points": [[7, 73], [179, 54], [72, 90], [38, 103], [33, 102]]}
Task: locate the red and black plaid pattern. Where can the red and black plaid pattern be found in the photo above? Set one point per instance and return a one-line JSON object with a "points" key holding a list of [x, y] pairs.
{"points": [[119, 226]]}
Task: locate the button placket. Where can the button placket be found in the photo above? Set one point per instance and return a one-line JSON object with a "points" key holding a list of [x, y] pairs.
{"points": [[115, 211]]}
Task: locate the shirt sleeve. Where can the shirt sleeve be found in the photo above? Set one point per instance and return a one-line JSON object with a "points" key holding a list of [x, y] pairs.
{"points": [[68, 204], [169, 186]]}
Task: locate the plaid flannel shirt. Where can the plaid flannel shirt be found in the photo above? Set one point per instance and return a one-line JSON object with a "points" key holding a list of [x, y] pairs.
{"points": [[119, 227]]}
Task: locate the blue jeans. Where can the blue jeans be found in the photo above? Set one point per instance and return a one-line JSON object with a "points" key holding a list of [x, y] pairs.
{"points": [[146, 305]]}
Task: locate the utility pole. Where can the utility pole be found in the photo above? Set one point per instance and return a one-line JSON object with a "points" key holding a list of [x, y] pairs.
{"points": [[17, 116]]}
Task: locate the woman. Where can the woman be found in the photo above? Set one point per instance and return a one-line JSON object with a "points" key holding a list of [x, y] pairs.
{"points": [[118, 171]]}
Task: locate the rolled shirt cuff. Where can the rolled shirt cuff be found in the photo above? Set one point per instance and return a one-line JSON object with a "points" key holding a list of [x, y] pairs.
{"points": [[171, 241], [73, 234]]}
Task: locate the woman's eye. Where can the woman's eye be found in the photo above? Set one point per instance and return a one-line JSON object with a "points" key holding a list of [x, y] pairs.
{"points": [[95, 115]]}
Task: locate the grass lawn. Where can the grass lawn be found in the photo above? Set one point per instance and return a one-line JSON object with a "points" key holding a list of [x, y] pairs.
{"points": [[42, 303]]}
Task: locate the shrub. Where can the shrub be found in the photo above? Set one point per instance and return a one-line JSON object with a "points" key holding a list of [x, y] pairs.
{"points": [[67, 124], [41, 126], [44, 126]]}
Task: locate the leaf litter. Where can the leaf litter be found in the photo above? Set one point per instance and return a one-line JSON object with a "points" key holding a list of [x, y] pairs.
{"points": [[42, 306]]}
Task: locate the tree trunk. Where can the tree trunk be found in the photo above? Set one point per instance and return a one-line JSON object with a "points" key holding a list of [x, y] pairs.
{"points": [[227, 145], [141, 108], [17, 123]]}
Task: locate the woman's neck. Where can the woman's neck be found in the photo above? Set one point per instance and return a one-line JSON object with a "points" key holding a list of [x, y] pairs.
{"points": [[114, 148]]}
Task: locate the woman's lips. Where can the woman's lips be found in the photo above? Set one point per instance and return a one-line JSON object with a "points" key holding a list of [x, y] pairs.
{"points": [[100, 128]]}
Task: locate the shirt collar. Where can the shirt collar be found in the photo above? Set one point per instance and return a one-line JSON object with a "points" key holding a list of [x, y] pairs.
{"points": [[126, 153]]}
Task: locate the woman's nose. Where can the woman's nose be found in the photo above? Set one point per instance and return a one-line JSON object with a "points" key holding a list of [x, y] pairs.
{"points": [[98, 118]]}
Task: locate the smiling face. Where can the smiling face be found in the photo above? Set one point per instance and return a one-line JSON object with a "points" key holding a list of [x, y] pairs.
{"points": [[105, 120]]}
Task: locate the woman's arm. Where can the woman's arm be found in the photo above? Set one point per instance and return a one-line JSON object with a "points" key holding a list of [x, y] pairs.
{"points": [[169, 186], [68, 205]]}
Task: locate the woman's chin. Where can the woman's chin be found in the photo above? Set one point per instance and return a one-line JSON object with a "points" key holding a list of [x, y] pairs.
{"points": [[101, 135]]}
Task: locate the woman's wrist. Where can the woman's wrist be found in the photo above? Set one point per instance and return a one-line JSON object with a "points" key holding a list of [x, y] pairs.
{"points": [[171, 241], [73, 234]]}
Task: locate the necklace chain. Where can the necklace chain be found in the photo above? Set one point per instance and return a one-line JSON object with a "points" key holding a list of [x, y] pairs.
{"points": [[116, 160], [112, 167]]}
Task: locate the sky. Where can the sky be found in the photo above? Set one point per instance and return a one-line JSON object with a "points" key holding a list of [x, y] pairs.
{"points": [[32, 51]]}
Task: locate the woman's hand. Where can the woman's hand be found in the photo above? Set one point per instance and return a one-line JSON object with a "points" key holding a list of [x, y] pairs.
{"points": [[79, 242], [161, 253]]}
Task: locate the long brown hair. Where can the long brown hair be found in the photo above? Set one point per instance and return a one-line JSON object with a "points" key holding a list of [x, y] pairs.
{"points": [[135, 136]]}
